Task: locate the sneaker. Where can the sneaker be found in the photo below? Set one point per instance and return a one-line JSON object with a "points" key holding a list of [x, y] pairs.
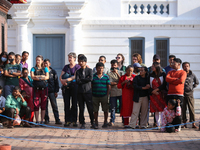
{"points": [[41, 122], [46, 122], [127, 127], [82, 126], [143, 127], [110, 124], [37, 124], [105, 125], [1, 125], [27, 125], [75, 124], [67, 124], [137, 127], [94, 126], [58, 122]]}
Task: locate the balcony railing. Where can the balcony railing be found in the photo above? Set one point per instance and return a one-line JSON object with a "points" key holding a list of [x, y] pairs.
{"points": [[163, 8]]}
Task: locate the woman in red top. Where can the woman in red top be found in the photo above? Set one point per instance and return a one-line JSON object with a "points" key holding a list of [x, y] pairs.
{"points": [[126, 84], [158, 84]]}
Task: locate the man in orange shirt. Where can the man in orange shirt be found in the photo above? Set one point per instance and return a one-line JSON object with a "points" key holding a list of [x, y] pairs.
{"points": [[176, 79]]}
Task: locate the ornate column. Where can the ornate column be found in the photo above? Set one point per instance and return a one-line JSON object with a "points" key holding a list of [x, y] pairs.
{"points": [[22, 19], [74, 19]]}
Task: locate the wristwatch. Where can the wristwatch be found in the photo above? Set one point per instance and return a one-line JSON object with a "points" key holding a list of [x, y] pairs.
{"points": [[39, 78]]}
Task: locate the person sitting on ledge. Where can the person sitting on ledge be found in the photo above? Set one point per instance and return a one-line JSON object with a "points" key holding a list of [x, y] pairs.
{"points": [[16, 105]]}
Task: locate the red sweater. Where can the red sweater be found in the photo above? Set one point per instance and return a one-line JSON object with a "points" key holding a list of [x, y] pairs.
{"points": [[176, 80]]}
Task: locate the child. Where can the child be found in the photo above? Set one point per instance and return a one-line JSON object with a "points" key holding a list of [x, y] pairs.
{"points": [[172, 116], [126, 84], [100, 91], [83, 79], [53, 89]]}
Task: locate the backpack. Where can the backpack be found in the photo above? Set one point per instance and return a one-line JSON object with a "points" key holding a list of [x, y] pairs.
{"points": [[41, 84]]}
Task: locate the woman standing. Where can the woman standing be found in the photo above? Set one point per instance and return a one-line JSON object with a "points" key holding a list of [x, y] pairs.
{"points": [[40, 75], [126, 84], [120, 62], [26, 84], [140, 98], [69, 90], [157, 83]]}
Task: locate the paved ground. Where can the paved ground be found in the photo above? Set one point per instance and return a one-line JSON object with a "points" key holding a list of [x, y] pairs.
{"points": [[101, 140]]}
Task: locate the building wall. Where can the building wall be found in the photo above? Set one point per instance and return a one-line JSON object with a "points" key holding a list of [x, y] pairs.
{"points": [[105, 30]]}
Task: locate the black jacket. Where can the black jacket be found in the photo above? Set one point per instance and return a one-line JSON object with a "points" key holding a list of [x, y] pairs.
{"points": [[138, 83], [162, 79], [190, 83], [84, 81], [53, 84]]}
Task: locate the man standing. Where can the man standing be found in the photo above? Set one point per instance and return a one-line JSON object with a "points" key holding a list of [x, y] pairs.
{"points": [[53, 89], [102, 59], [12, 71], [176, 79], [115, 93], [171, 63], [100, 92], [156, 58], [190, 83], [84, 78]]}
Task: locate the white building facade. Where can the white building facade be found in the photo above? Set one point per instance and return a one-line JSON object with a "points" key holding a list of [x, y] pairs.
{"points": [[53, 28]]}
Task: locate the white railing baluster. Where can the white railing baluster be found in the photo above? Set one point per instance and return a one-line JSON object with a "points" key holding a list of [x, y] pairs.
{"points": [[145, 9], [152, 9], [165, 9], [138, 9]]}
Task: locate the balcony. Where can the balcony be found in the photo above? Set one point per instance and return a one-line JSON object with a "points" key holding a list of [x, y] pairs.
{"points": [[149, 8]]}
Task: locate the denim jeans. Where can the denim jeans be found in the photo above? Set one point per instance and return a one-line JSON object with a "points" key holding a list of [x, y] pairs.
{"points": [[113, 106], [52, 98]]}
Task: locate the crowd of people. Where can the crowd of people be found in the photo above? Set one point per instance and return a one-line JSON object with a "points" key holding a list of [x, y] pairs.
{"points": [[134, 91]]}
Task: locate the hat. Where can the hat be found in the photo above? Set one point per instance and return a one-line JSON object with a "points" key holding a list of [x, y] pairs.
{"points": [[156, 56], [137, 65], [178, 60]]}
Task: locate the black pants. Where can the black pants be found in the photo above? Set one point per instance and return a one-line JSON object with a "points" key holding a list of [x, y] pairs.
{"points": [[176, 120], [82, 99], [70, 94], [24, 111], [175, 97], [52, 98]]}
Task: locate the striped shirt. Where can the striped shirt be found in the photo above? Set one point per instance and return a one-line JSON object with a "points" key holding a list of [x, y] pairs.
{"points": [[99, 85]]}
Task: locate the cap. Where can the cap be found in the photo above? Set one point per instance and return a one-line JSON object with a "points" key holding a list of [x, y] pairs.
{"points": [[156, 56], [137, 65]]}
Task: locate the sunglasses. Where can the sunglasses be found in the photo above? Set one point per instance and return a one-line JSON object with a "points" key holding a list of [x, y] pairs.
{"points": [[117, 57]]}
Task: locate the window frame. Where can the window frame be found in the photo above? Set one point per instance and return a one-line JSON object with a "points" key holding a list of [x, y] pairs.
{"points": [[168, 42], [143, 48]]}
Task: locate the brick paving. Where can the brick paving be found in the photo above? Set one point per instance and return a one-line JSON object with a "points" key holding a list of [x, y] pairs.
{"points": [[101, 140]]}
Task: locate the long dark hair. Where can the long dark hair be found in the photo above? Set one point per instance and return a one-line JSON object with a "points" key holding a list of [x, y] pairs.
{"points": [[158, 69], [40, 56], [123, 58], [4, 53]]}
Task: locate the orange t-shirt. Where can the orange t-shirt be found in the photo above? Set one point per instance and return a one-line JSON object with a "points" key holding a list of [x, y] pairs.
{"points": [[176, 80]]}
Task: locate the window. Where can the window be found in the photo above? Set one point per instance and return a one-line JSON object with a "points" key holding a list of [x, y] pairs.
{"points": [[136, 46], [162, 49], [2, 38]]}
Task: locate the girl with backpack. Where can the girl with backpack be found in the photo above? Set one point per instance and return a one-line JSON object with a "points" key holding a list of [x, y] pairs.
{"points": [[40, 75]]}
